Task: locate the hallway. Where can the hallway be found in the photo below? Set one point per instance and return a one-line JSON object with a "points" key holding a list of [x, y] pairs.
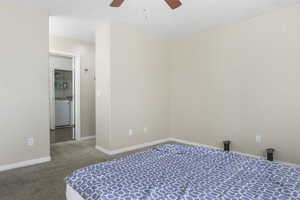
{"points": [[61, 135]]}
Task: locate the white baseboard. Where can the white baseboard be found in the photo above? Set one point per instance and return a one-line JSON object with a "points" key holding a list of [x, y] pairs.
{"points": [[88, 138], [106, 151], [209, 146], [131, 148], [191, 143], [122, 150], [139, 146], [24, 163]]}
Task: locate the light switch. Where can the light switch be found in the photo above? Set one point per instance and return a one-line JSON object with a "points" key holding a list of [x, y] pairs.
{"points": [[98, 93], [258, 139], [130, 133]]}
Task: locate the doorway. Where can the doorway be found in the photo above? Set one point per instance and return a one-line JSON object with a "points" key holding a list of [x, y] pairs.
{"points": [[64, 97], [64, 107]]}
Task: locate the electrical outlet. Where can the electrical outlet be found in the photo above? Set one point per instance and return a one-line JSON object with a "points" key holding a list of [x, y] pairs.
{"points": [[145, 129], [30, 141], [258, 139], [130, 133]]}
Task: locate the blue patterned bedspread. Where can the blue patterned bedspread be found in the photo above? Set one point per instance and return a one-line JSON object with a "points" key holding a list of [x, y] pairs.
{"points": [[176, 171]]}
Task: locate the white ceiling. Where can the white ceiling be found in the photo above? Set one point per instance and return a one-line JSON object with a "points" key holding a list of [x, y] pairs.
{"points": [[78, 18]]}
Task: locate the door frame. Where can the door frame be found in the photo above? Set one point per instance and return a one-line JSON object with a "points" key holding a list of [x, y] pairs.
{"points": [[76, 90]]}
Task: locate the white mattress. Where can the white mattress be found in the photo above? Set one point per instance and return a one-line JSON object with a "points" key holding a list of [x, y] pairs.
{"points": [[71, 194]]}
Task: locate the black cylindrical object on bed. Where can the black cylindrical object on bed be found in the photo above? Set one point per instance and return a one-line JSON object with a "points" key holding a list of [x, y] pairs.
{"points": [[270, 154], [226, 145]]}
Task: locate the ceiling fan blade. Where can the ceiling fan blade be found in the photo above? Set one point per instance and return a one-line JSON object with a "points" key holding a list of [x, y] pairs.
{"points": [[173, 3], [116, 3]]}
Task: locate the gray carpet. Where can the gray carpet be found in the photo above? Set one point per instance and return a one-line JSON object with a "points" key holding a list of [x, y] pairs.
{"points": [[61, 135], [46, 181]]}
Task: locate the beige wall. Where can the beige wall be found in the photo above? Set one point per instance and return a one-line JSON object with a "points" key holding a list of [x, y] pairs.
{"points": [[137, 65], [24, 107], [239, 81], [60, 61], [233, 82], [103, 85], [139, 87], [87, 83]]}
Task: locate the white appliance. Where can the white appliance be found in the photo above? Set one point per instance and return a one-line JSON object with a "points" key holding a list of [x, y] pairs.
{"points": [[63, 114]]}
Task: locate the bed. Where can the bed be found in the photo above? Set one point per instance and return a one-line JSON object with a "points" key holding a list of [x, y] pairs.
{"points": [[176, 171]]}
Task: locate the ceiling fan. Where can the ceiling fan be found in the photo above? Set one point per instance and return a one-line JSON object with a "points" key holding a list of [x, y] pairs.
{"points": [[172, 3]]}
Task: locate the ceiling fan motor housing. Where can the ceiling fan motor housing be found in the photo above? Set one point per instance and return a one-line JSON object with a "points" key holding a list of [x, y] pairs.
{"points": [[172, 3]]}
